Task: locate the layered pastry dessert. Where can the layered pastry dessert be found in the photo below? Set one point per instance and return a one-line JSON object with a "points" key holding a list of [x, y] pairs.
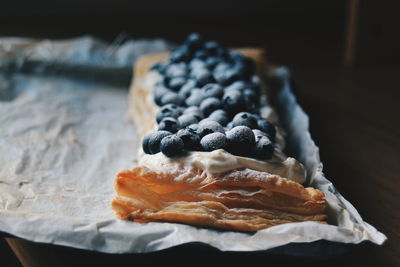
{"points": [[211, 145]]}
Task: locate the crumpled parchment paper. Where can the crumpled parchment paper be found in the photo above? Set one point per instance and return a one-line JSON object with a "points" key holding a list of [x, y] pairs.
{"points": [[64, 135]]}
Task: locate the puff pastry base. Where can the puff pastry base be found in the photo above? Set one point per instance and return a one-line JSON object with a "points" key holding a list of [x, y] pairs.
{"points": [[241, 200]]}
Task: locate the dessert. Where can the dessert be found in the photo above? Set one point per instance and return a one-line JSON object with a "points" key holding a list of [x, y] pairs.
{"points": [[212, 146]]}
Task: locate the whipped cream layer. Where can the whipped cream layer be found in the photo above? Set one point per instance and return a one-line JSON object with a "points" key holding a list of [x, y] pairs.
{"points": [[221, 161]]}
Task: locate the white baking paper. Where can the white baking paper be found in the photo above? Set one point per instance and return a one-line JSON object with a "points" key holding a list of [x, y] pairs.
{"points": [[62, 140]]}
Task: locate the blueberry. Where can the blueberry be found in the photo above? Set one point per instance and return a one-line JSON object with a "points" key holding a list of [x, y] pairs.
{"points": [[211, 47], [187, 119], [185, 90], [170, 110], [171, 146], [258, 134], [195, 98], [210, 104], [176, 70], [233, 102], [194, 41], [213, 90], [202, 77], [255, 82], [244, 65], [157, 67], [155, 139], [219, 116], [207, 126], [250, 95], [229, 126], [194, 111], [201, 54], [252, 100], [197, 63], [221, 67], [226, 77], [213, 141], [241, 140], [176, 83], [222, 52], [236, 86], [194, 127], [159, 92], [246, 119], [267, 127], [190, 138], [169, 124], [211, 62], [180, 54], [145, 144], [172, 98], [264, 149]]}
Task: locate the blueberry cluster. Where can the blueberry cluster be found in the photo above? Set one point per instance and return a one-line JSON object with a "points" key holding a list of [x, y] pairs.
{"points": [[209, 99]]}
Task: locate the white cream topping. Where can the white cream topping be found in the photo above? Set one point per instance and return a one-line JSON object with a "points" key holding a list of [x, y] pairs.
{"points": [[220, 161]]}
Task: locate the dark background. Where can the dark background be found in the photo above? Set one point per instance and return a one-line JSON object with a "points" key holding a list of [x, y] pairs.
{"points": [[345, 59]]}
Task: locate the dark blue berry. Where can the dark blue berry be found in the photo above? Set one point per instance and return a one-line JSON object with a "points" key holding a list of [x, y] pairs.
{"points": [[201, 54], [195, 98], [236, 86], [170, 110], [229, 126], [263, 149], [172, 98], [145, 144], [213, 90], [194, 127], [267, 127], [245, 119], [197, 63], [194, 41], [258, 134], [251, 95], [219, 116], [187, 119], [222, 52], [190, 138], [157, 67], [176, 83], [180, 54], [211, 62], [155, 139], [195, 111], [171, 146], [221, 67], [186, 89], [213, 141], [211, 47], [210, 104], [176, 70], [241, 140], [169, 124], [233, 102], [226, 77], [208, 126], [159, 92], [202, 77]]}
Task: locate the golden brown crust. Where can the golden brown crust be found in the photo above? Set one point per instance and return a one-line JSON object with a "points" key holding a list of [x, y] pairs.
{"points": [[243, 200]]}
